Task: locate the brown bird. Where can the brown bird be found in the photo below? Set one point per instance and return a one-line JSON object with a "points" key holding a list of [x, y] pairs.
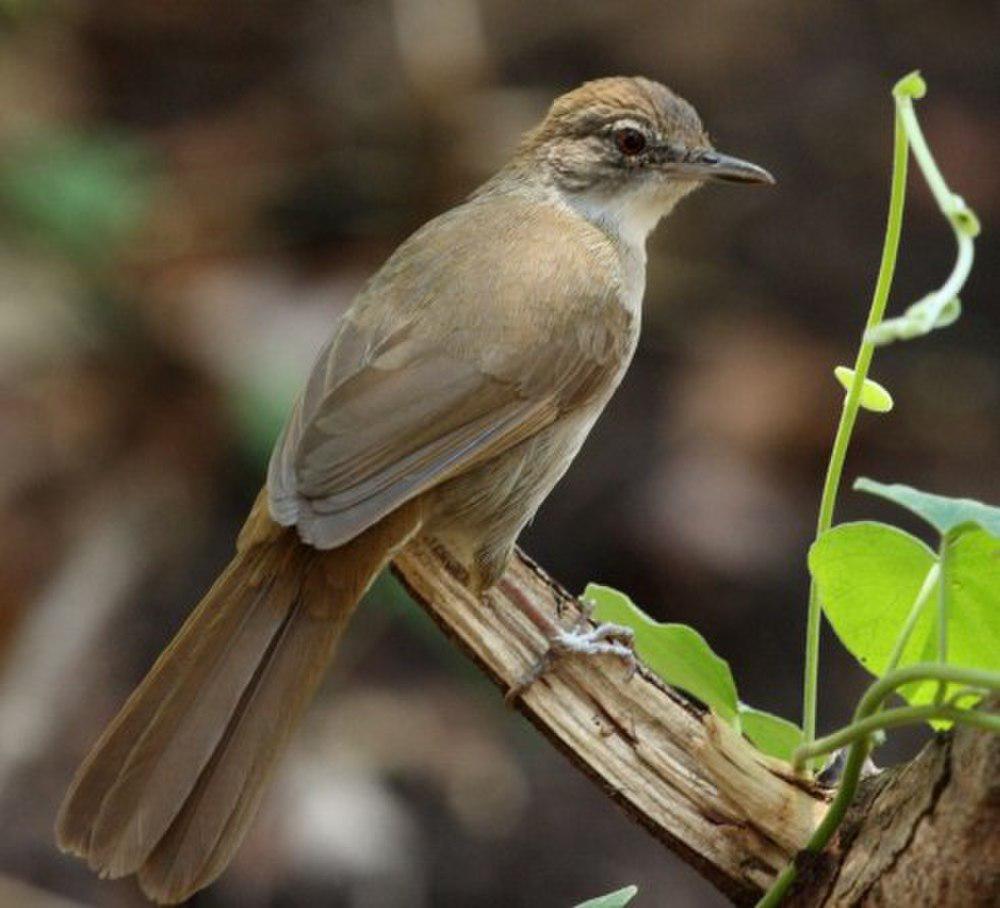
{"points": [[449, 401]]}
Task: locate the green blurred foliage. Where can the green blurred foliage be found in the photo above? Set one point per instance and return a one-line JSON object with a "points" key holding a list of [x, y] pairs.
{"points": [[81, 194]]}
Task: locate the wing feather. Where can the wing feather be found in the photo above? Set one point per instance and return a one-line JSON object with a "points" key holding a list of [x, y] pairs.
{"points": [[405, 397]]}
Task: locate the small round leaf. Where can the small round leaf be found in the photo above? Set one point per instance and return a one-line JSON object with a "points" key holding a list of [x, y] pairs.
{"points": [[874, 397]]}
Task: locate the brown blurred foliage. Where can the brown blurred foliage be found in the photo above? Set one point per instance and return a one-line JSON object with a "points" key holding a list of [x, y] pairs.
{"points": [[189, 194]]}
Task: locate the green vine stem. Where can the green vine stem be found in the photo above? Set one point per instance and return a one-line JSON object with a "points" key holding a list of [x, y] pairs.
{"points": [[860, 744], [893, 718], [964, 693], [848, 783], [848, 416], [942, 306], [935, 310], [911, 619], [942, 618], [870, 704]]}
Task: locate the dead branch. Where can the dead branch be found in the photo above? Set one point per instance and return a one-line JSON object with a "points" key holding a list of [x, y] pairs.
{"points": [[726, 809]]}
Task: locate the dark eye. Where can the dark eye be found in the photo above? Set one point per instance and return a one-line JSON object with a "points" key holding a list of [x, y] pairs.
{"points": [[630, 141]]}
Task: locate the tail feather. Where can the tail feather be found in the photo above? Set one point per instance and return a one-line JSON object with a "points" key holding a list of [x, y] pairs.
{"points": [[182, 734], [86, 803], [172, 785], [205, 835]]}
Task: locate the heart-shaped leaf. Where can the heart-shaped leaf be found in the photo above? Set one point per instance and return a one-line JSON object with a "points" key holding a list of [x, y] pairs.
{"points": [[868, 575], [943, 513]]}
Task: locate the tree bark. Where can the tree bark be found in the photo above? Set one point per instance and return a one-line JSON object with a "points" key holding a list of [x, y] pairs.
{"points": [[729, 811], [925, 833]]}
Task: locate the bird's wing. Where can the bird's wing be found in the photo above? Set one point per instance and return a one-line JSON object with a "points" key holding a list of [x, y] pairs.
{"points": [[390, 413], [411, 418]]}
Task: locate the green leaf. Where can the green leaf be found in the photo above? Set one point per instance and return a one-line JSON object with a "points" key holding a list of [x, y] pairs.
{"points": [[943, 513], [874, 397], [769, 733], [616, 899], [676, 652], [868, 575]]}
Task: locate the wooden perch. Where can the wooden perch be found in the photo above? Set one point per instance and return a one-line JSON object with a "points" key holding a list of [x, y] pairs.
{"points": [[734, 814]]}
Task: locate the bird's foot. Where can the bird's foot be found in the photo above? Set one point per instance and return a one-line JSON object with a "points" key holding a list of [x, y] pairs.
{"points": [[581, 640]]}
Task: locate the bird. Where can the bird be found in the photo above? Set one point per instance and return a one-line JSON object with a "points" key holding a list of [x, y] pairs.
{"points": [[448, 401]]}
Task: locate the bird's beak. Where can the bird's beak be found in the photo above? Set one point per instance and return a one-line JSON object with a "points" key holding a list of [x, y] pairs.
{"points": [[713, 165]]}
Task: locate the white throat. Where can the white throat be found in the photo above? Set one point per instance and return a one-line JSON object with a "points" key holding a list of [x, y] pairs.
{"points": [[628, 217]]}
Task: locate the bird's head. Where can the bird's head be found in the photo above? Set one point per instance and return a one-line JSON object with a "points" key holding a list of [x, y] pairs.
{"points": [[624, 151]]}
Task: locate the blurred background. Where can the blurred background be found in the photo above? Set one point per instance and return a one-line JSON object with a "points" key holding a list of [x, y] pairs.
{"points": [[190, 192]]}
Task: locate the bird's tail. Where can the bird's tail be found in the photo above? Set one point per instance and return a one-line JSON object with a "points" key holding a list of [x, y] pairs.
{"points": [[171, 787]]}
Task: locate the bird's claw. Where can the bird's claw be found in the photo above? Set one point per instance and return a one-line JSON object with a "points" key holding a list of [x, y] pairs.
{"points": [[604, 640]]}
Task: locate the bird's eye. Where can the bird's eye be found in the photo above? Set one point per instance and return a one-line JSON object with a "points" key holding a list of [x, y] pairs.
{"points": [[630, 141]]}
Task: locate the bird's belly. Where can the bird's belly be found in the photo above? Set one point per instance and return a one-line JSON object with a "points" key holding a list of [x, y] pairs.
{"points": [[488, 507]]}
